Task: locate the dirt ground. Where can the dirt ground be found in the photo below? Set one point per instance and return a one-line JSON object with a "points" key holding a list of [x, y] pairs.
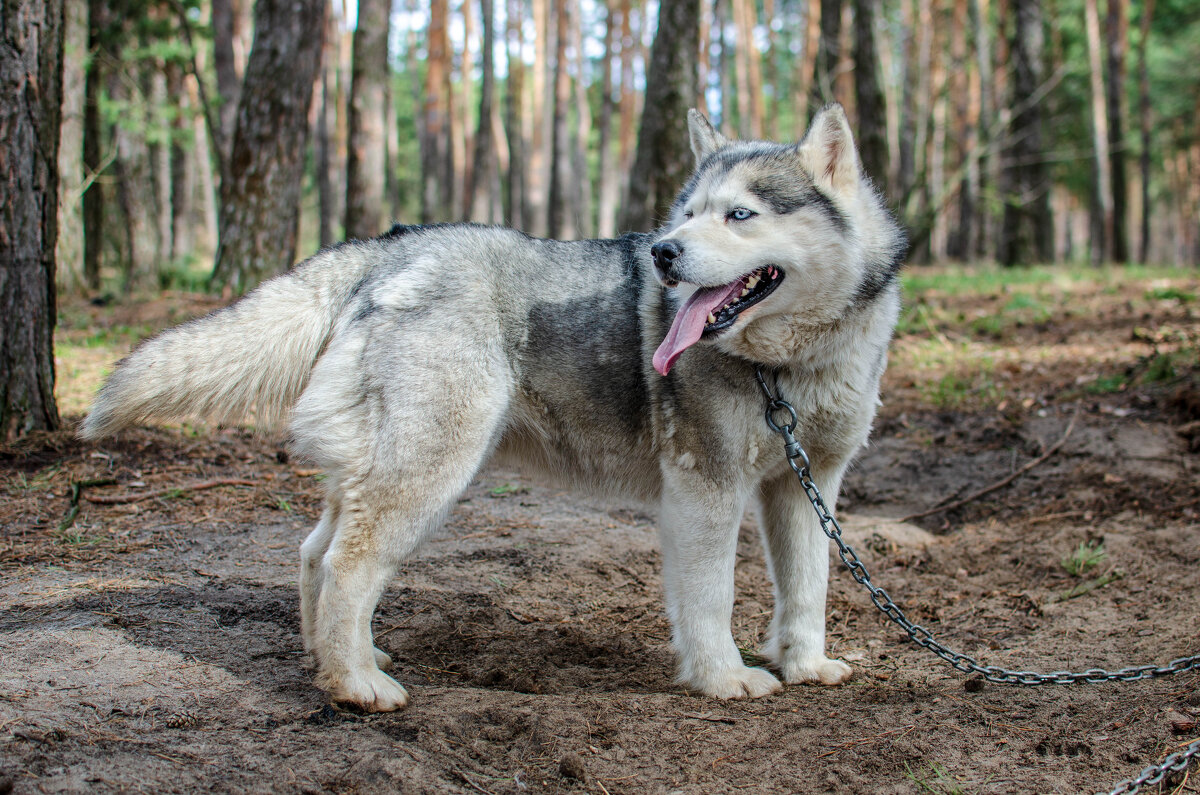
{"points": [[151, 642]]}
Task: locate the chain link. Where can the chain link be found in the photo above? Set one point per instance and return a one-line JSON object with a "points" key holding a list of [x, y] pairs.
{"points": [[798, 460]]}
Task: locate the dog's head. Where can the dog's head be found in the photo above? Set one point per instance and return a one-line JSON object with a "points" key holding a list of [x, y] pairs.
{"points": [[762, 230]]}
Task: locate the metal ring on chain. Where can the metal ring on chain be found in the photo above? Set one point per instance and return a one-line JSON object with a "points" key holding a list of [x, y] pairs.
{"points": [[924, 638]]}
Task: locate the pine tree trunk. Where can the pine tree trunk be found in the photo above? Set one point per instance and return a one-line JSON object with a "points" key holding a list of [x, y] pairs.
{"points": [[183, 175], [582, 184], [1026, 234], [514, 129], [485, 151], [1146, 127], [30, 106], [260, 202], [828, 56], [69, 251], [872, 110], [537, 181], [366, 162], [1116, 33], [1102, 202], [93, 195], [224, 31], [664, 157], [606, 216], [561, 215], [958, 240], [326, 124], [435, 121]]}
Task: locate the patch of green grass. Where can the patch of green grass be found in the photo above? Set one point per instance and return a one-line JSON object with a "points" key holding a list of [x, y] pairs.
{"points": [[1086, 556], [1170, 294], [936, 779], [506, 490], [953, 390], [1107, 385]]}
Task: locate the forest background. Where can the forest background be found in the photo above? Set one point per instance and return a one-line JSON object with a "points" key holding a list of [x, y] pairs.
{"points": [[208, 144]]}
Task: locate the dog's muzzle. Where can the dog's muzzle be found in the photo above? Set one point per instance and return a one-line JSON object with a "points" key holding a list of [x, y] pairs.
{"points": [[665, 253]]}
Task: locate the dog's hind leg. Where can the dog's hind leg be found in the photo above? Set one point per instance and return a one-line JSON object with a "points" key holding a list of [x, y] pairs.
{"points": [[402, 459], [312, 551], [699, 528], [798, 552]]}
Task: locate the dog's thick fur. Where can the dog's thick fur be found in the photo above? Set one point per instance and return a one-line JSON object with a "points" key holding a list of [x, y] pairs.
{"points": [[405, 362]]}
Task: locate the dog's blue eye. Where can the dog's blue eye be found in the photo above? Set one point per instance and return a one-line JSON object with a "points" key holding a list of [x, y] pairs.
{"points": [[741, 214]]}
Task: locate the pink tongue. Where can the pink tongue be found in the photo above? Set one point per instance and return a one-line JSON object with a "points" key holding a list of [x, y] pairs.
{"points": [[689, 323]]}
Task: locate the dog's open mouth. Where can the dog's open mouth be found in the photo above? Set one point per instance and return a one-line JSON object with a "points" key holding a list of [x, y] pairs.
{"points": [[711, 310]]}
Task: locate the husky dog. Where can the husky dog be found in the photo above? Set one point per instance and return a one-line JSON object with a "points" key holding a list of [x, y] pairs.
{"points": [[404, 363]]}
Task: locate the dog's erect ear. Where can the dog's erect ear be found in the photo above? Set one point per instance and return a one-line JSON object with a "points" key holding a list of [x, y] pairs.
{"points": [[829, 146], [705, 138]]}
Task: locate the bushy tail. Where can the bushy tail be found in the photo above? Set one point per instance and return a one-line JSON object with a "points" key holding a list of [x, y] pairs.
{"points": [[253, 355]]}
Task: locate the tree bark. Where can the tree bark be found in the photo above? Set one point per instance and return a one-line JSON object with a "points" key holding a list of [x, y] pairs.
{"points": [[1026, 234], [664, 158], [435, 120], [69, 252], [93, 190], [30, 108], [366, 161], [514, 128], [483, 168], [542, 134], [260, 202], [1116, 34], [606, 216], [1146, 128], [561, 214], [872, 109], [1102, 201], [829, 56]]}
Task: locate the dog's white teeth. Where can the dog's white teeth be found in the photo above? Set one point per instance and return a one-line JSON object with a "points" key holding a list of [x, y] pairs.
{"points": [[744, 293], [751, 283], [712, 318]]}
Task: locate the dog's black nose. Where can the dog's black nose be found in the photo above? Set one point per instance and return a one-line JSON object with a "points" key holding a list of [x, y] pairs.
{"points": [[665, 253]]}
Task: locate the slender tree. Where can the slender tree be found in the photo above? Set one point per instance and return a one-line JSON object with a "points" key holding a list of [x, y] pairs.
{"points": [[664, 158], [514, 128], [260, 201], [1026, 234], [561, 214], [366, 160], [1116, 37], [1146, 127], [872, 110], [1102, 197], [30, 107], [484, 166], [436, 161]]}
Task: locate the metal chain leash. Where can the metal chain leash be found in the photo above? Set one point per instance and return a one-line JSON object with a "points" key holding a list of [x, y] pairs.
{"points": [[798, 460]]}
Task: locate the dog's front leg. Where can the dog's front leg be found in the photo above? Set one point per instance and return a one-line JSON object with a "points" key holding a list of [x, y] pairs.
{"points": [[699, 526], [799, 556]]}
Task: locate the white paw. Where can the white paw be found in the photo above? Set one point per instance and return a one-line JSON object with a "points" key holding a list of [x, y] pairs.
{"points": [[370, 689], [820, 670], [739, 682], [382, 660]]}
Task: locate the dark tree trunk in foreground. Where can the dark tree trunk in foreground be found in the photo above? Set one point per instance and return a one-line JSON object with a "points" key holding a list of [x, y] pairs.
{"points": [[366, 166], [664, 156], [260, 201], [1026, 235], [30, 100], [1145, 129]]}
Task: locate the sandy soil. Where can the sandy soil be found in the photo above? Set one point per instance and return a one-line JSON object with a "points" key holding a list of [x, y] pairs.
{"points": [[152, 644]]}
